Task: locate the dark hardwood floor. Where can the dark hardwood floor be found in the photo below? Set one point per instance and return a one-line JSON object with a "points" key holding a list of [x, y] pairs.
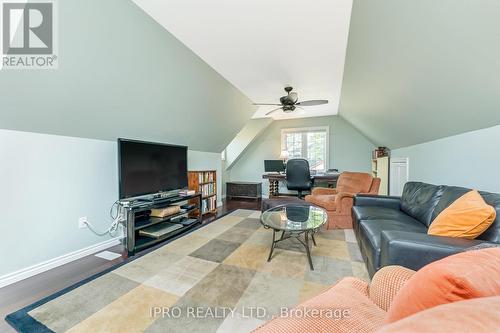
{"points": [[28, 291]]}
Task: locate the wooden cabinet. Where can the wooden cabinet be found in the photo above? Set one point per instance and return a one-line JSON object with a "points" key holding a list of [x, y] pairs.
{"points": [[380, 169], [252, 190], [205, 182]]}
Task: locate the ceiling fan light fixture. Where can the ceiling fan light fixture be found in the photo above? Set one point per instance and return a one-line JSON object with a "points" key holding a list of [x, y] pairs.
{"points": [[290, 102]]}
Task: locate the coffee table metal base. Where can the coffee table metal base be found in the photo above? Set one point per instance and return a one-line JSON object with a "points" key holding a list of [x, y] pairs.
{"points": [[294, 234]]}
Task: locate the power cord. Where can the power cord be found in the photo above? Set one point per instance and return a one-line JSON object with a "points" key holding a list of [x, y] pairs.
{"points": [[118, 219]]}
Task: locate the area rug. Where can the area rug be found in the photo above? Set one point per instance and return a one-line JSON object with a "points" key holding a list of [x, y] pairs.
{"points": [[215, 279]]}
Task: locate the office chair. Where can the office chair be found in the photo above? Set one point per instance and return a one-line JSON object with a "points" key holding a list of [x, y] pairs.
{"points": [[298, 176]]}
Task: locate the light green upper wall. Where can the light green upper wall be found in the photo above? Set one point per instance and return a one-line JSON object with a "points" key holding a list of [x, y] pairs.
{"points": [[244, 138], [420, 70], [469, 159], [349, 149], [123, 75]]}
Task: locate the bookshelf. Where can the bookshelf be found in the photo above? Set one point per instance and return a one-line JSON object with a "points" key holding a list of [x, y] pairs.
{"points": [[205, 182], [380, 169]]}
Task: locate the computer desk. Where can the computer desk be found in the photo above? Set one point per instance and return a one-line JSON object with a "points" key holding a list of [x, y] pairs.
{"points": [[275, 178]]}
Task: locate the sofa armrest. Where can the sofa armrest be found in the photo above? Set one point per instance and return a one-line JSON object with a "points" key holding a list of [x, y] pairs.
{"points": [[386, 283], [377, 200], [343, 202], [323, 191], [415, 250]]}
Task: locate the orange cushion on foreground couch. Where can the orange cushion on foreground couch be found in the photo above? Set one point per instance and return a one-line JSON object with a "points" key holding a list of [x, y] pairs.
{"points": [[467, 217], [459, 277], [481, 315]]}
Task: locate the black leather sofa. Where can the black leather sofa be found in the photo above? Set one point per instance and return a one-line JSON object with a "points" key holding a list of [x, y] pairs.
{"points": [[393, 230]]}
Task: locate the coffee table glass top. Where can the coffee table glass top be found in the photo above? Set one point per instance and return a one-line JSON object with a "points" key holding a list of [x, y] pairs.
{"points": [[294, 217]]}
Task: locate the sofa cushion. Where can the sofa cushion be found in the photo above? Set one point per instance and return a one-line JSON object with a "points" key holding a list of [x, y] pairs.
{"points": [[467, 217], [354, 182], [327, 201], [381, 213], [455, 278], [352, 309], [480, 315], [420, 199], [449, 196], [492, 234], [370, 232], [452, 193]]}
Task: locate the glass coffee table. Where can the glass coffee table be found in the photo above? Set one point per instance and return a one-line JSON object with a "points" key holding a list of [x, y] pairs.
{"points": [[293, 221]]}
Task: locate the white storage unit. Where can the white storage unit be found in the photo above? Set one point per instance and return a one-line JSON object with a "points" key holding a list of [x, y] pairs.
{"points": [[399, 175]]}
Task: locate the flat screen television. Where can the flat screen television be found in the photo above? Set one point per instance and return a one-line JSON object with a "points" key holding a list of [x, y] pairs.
{"points": [[148, 168]]}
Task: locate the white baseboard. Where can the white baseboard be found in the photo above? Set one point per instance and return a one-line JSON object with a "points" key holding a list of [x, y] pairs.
{"points": [[27, 272], [219, 204]]}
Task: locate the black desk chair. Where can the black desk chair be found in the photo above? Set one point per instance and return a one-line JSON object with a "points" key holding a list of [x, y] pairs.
{"points": [[298, 175]]}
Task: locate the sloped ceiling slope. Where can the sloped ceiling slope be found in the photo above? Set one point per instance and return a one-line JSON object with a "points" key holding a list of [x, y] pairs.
{"points": [[261, 46], [121, 74], [421, 70]]}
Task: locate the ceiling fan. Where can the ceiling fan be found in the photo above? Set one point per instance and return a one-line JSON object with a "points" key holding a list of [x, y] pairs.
{"points": [[289, 102]]}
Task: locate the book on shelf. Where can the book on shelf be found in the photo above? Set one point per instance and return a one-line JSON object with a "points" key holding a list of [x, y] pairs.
{"points": [[209, 204], [205, 177], [207, 189], [204, 182], [186, 192]]}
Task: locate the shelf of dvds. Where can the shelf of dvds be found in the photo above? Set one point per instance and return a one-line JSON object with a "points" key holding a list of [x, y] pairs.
{"points": [[205, 182]]}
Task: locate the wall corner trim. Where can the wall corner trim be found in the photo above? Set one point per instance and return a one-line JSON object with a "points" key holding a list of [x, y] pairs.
{"points": [[44, 266]]}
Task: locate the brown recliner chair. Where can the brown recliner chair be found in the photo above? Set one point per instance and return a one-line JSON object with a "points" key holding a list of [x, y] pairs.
{"points": [[338, 201]]}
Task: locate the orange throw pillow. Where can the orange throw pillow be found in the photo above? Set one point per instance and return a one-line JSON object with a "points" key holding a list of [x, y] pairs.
{"points": [[467, 217], [455, 278]]}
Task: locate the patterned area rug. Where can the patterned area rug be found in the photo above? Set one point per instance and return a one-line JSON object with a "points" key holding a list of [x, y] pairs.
{"points": [[215, 279]]}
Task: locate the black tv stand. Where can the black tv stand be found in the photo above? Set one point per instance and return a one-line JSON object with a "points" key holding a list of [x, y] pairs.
{"points": [[138, 219]]}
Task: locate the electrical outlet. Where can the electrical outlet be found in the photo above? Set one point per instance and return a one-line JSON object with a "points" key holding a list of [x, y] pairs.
{"points": [[82, 222]]}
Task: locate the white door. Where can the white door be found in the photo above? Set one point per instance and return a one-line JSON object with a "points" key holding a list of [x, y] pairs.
{"points": [[399, 174]]}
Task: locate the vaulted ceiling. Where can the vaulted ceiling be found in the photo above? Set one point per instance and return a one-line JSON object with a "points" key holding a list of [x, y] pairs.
{"points": [[414, 70], [122, 75], [261, 46], [421, 70]]}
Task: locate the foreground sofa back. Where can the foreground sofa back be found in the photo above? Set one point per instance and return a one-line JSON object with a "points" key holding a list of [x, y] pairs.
{"points": [[460, 293], [393, 230]]}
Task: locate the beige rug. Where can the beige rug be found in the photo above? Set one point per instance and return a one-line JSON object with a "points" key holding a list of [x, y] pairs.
{"points": [[216, 279]]}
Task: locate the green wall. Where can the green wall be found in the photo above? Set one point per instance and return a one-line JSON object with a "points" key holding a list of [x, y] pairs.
{"points": [[121, 74], [349, 149], [420, 70], [469, 159]]}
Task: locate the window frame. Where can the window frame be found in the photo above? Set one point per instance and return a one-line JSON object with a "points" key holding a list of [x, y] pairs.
{"points": [[325, 129]]}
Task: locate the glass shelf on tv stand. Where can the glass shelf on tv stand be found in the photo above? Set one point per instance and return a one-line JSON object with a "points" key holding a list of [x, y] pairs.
{"points": [[135, 242]]}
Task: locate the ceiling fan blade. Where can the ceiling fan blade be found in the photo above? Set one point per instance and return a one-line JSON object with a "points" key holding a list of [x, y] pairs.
{"points": [[312, 102], [266, 104], [273, 111]]}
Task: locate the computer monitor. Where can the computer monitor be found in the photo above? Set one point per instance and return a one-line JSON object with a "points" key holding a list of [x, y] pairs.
{"points": [[274, 166]]}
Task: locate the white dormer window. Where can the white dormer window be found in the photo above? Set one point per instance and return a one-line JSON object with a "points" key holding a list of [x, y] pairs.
{"points": [[310, 143]]}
